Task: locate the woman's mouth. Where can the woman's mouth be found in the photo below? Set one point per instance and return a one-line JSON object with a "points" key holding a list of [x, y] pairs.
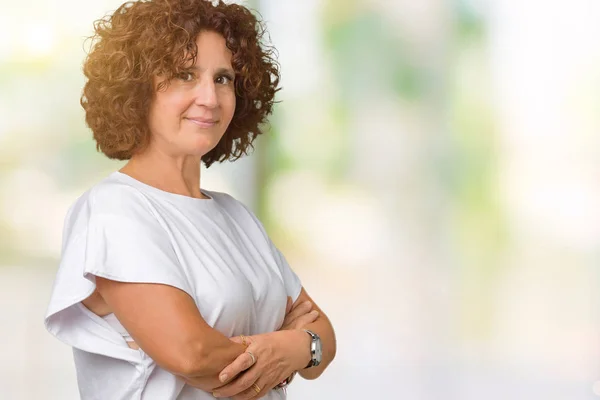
{"points": [[203, 122]]}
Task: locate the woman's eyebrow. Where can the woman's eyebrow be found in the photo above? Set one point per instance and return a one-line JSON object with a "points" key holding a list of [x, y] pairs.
{"points": [[227, 71], [221, 70]]}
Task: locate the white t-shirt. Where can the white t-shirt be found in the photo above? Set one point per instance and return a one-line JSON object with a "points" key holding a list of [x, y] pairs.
{"points": [[214, 249]]}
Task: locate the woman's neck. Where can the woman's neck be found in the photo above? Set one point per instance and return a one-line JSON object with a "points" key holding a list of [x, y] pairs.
{"points": [[176, 175]]}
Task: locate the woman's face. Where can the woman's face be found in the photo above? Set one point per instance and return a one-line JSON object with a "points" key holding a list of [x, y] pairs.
{"points": [[191, 115]]}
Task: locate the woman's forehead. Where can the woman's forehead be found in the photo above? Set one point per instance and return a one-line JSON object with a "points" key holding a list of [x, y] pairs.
{"points": [[212, 52]]}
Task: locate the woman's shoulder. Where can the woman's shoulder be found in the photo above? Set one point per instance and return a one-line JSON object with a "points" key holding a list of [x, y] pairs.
{"points": [[113, 196], [223, 199], [228, 202], [108, 197], [237, 209]]}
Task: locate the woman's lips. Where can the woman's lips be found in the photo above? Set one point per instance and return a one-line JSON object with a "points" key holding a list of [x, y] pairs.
{"points": [[202, 122]]}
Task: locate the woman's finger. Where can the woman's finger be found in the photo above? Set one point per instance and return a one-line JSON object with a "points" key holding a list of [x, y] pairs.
{"points": [[257, 390], [297, 312], [241, 384], [241, 363], [301, 309], [305, 319], [245, 340], [288, 305]]}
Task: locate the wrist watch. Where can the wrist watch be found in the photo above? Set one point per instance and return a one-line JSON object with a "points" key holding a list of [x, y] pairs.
{"points": [[316, 350]]}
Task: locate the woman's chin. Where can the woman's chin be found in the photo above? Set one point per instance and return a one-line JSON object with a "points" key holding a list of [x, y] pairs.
{"points": [[200, 147]]}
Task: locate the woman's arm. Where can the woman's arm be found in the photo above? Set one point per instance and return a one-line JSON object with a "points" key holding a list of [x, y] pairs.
{"points": [[165, 322], [278, 354], [297, 316], [321, 326]]}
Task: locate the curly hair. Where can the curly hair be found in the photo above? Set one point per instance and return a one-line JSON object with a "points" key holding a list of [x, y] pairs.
{"points": [[142, 39]]}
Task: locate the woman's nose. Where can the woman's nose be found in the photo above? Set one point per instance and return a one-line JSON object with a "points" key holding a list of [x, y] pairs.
{"points": [[206, 94]]}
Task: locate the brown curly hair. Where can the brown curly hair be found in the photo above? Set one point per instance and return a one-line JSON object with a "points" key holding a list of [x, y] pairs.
{"points": [[142, 39]]}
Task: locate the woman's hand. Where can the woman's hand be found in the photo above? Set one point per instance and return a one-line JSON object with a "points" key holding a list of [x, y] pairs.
{"points": [[277, 354], [299, 315]]}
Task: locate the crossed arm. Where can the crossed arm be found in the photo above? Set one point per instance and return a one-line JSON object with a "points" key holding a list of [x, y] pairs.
{"points": [[178, 339], [277, 356]]}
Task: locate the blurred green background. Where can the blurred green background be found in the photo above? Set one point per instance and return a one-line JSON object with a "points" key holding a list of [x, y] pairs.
{"points": [[431, 174]]}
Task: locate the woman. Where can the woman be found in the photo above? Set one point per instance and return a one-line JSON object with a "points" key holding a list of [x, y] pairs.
{"points": [[166, 290]]}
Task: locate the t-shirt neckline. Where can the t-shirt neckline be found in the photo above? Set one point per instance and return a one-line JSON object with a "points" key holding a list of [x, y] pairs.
{"points": [[162, 193]]}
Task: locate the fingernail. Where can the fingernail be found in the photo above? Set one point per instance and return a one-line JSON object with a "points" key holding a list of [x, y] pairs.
{"points": [[215, 394], [307, 303], [223, 378], [314, 312]]}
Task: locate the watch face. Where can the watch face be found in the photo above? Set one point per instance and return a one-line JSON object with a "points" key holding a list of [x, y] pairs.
{"points": [[315, 349], [318, 350]]}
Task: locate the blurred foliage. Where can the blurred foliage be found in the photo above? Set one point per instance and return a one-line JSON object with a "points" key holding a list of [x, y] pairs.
{"points": [[472, 174], [475, 145], [470, 25], [368, 55]]}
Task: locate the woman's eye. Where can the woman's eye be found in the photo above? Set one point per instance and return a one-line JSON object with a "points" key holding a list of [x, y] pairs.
{"points": [[185, 76], [224, 79]]}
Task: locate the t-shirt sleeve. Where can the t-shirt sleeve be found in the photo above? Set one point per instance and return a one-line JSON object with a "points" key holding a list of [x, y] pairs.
{"points": [[112, 233], [291, 281], [125, 249], [127, 242]]}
